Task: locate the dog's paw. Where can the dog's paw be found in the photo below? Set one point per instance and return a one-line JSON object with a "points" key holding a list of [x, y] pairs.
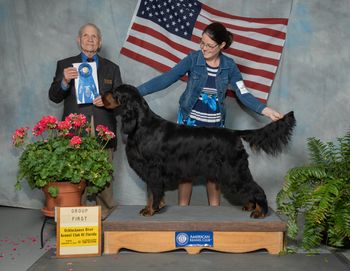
{"points": [[161, 204], [147, 211], [162, 210], [249, 206], [257, 214]]}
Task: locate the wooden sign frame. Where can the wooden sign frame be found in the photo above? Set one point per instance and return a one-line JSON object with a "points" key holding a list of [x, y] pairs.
{"points": [[78, 231]]}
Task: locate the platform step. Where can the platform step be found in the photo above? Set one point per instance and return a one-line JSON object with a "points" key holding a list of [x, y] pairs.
{"points": [[233, 229]]}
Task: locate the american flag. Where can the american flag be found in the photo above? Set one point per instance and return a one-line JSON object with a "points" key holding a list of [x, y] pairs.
{"points": [[163, 32]]}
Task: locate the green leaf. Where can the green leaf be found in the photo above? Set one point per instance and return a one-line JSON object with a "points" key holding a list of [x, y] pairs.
{"points": [[53, 191]]}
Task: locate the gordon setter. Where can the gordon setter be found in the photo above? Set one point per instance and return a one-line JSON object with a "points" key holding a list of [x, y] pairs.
{"points": [[163, 152]]}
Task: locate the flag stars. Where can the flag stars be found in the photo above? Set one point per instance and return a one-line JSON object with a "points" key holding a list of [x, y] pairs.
{"points": [[175, 16]]}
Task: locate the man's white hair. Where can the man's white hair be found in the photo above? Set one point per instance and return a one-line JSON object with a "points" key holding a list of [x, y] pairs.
{"points": [[94, 26]]}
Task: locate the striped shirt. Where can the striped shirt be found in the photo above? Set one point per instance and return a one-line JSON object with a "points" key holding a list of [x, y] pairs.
{"points": [[206, 111]]}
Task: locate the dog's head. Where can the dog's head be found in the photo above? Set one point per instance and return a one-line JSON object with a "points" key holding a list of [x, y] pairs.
{"points": [[131, 106]]}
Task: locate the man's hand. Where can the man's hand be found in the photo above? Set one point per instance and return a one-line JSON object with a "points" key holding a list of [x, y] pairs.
{"points": [[98, 102], [69, 74]]}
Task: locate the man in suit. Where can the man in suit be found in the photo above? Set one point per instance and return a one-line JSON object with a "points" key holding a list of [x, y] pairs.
{"points": [[62, 88]]}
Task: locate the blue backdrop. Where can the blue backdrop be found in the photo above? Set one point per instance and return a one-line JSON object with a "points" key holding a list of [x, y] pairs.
{"points": [[312, 80]]}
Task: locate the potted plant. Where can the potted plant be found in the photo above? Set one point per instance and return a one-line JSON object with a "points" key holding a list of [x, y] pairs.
{"points": [[64, 151], [320, 192]]}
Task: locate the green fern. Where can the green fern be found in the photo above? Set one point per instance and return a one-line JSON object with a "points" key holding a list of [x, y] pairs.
{"points": [[320, 191]]}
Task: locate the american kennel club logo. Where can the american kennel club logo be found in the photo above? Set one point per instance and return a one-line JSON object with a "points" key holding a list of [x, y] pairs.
{"points": [[194, 239]]}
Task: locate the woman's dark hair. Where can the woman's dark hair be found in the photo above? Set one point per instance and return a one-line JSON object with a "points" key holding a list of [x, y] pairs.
{"points": [[218, 33]]}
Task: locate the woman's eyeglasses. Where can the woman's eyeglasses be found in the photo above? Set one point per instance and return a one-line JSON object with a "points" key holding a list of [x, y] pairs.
{"points": [[209, 46]]}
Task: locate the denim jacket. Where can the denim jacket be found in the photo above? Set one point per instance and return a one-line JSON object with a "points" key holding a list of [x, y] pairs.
{"points": [[194, 66]]}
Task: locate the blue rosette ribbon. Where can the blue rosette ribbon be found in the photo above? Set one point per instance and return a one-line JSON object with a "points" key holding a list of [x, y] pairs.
{"points": [[87, 90]]}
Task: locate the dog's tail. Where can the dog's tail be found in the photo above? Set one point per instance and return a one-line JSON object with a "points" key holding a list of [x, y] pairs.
{"points": [[271, 138]]}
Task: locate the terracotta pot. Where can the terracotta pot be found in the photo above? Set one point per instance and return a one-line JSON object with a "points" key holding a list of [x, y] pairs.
{"points": [[69, 195]]}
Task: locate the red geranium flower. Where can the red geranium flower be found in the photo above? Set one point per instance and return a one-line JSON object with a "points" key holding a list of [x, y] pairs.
{"points": [[19, 135], [64, 127], [77, 120], [46, 123], [75, 141], [104, 132]]}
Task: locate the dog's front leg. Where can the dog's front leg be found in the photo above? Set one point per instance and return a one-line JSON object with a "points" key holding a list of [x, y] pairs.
{"points": [[148, 210], [155, 189], [162, 203]]}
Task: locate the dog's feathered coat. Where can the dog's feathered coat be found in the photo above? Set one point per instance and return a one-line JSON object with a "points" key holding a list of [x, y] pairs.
{"points": [[163, 152]]}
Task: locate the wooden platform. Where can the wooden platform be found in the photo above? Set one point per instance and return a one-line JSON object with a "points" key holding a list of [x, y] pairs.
{"points": [[233, 230]]}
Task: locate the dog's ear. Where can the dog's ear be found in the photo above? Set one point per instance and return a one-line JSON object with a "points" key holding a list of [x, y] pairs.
{"points": [[129, 117], [109, 101]]}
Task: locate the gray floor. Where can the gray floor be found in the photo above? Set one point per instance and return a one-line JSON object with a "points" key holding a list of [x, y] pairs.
{"points": [[176, 261], [20, 238], [20, 250]]}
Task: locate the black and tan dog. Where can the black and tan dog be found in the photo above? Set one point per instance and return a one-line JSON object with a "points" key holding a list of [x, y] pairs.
{"points": [[163, 152]]}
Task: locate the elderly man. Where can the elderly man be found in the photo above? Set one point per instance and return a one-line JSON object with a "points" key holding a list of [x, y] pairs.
{"points": [[63, 88]]}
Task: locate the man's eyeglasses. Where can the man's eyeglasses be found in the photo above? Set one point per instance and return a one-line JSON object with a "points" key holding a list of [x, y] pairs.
{"points": [[210, 46]]}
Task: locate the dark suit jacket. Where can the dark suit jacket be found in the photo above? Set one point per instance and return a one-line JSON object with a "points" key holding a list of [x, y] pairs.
{"points": [[109, 78]]}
